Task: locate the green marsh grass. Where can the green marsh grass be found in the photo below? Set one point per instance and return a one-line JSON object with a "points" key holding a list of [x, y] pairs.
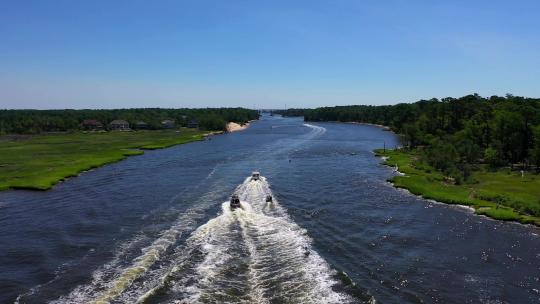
{"points": [[502, 195], [39, 162]]}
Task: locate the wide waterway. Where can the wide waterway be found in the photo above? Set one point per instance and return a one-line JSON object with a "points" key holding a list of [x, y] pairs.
{"points": [[155, 229]]}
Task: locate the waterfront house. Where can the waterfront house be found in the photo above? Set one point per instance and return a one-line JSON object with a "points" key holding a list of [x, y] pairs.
{"points": [[91, 125], [167, 124], [119, 125]]}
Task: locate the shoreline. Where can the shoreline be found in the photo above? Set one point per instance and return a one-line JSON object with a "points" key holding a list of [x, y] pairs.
{"points": [[385, 128], [236, 127], [464, 208], [418, 183], [44, 178], [94, 160]]}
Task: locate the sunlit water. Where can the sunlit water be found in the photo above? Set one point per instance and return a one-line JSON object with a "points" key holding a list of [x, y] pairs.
{"points": [[157, 228]]}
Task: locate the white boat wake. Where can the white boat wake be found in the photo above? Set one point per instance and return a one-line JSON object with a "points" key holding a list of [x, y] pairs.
{"points": [[316, 130], [253, 254]]}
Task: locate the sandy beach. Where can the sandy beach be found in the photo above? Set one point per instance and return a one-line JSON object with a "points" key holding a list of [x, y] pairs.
{"points": [[234, 127]]}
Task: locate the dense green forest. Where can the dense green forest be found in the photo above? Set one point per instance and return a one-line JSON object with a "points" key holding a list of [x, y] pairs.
{"points": [[455, 135], [38, 121], [290, 112]]}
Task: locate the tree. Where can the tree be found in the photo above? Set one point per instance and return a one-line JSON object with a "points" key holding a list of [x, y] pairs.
{"points": [[508, 128], [499, 129], [491, 156], [412, 134], [535, 151], [441, 155]]}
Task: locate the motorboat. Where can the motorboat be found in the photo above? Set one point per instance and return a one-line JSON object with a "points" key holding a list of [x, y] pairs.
{"points": [[235, 202], [255, 175], [268, 198]]}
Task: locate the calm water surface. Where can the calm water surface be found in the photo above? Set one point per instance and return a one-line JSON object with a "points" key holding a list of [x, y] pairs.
{"points": [[155, 229]]}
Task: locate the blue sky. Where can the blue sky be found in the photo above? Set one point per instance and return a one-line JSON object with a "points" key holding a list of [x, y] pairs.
{"points": [[112, 54]]}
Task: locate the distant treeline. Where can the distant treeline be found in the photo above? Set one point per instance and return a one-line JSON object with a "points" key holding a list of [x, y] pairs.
{"points": [[37, 121], [455, 134], [290, 112]]}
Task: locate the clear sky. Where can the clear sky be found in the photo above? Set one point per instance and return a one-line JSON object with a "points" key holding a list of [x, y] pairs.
{"points": [[265, 54]]}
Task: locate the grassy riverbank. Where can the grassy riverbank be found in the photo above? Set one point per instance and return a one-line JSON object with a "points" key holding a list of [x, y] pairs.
{"points": [[39, 162], [502, 194]]}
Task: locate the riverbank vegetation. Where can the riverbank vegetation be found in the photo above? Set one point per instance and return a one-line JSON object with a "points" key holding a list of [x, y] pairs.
{"points": [[501, 194], [290, 112], [467, 144], [457, 133], [40, 161], [42, 121]]}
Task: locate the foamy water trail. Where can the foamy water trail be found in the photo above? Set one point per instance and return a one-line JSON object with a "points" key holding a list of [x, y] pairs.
{"points": [[253, 254], [316, 130], [115, 277], [292, 145]]}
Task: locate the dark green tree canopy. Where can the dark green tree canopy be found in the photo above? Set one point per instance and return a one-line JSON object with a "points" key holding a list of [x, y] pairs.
{"points": [[471, 129], [37, 121]]}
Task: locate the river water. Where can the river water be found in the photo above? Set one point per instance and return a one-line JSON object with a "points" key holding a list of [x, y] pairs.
{"points": [[156, 228]]}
